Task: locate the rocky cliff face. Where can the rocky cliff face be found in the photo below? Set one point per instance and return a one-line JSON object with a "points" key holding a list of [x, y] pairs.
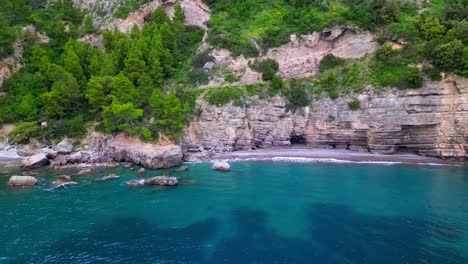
{"points": [[301, 56], [431, 121], [106, 148]]}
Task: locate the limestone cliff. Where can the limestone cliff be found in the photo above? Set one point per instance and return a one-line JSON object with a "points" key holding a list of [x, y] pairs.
{"points": [[430, 121], [106, 148]]}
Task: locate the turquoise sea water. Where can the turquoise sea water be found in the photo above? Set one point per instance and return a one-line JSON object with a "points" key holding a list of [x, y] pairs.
{"points": [[261, 212]]}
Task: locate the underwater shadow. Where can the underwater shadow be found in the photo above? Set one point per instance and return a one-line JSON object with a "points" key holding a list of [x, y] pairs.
{"points": [[129, 240], [336, 234], [339, 234]]}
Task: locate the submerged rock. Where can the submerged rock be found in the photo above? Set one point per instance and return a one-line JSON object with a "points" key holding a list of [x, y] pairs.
{"points": [[35, 161], [22, 181], [182, 169], [61, 180], [64, 147], [84, 171], [221, 166], [110, 177], [157, 180], [66, 185]]}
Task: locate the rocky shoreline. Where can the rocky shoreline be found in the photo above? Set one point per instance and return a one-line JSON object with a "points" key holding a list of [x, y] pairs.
{"points": [[171, 157]]}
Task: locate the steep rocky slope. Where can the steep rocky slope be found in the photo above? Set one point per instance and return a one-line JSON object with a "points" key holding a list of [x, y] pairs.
{"points": [[301, 56], [431, 121]]}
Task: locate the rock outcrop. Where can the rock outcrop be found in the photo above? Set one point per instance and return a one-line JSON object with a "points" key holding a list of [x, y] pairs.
{"points": [[64, 147], [35, 161], [19, 181], [430, 121], [105, 148], [154, 181]]}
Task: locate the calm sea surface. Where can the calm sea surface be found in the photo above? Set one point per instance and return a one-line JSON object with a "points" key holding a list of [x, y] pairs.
{"points": [[260, 212]]}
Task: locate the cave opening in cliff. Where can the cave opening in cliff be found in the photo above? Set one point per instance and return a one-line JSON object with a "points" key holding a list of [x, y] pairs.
{"points": [[298, 140]]}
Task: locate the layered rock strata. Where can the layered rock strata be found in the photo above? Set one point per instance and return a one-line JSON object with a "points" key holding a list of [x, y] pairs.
{"points": [[430, 121], [106, 148]]}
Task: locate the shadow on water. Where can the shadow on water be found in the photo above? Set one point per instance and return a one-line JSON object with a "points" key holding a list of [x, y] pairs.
{"points": [[337, 234]]}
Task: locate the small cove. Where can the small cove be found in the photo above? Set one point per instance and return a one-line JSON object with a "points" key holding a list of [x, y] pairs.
{"points": [[260, 212]]}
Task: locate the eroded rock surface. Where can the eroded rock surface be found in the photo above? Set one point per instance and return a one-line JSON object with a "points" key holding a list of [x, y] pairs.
{"points": [[106, 148], [64, 147], [430, 121], [35, 161]]}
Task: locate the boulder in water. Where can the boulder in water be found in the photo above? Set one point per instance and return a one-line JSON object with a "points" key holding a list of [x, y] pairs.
{"points": [[84, 171], [141, 171], [157, 180], [64, 147], [22, 181], [162, 181], [61, 180], [221, 166], [110, 177], [66, 185], [136, 183], [35, 161]]}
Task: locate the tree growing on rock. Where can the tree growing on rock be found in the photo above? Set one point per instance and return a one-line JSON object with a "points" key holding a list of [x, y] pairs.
{"points": [[122, 117], [172, 119]]}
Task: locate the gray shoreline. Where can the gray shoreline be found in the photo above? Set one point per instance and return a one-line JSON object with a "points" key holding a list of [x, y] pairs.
{"points": [[325, 155], [294, 154]]}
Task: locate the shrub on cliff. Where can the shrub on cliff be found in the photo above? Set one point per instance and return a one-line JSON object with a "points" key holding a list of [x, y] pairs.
{"points": [[354, 105], [449, 56], [297, 95], [267, 67], [330, 62]]}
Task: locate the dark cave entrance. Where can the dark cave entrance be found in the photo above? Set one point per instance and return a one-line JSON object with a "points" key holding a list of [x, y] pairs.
{"points": [[298, 140]]}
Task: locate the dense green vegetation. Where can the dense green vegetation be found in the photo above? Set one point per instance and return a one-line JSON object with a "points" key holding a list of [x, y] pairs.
{"points": [[142, 83], [132, 80]]}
